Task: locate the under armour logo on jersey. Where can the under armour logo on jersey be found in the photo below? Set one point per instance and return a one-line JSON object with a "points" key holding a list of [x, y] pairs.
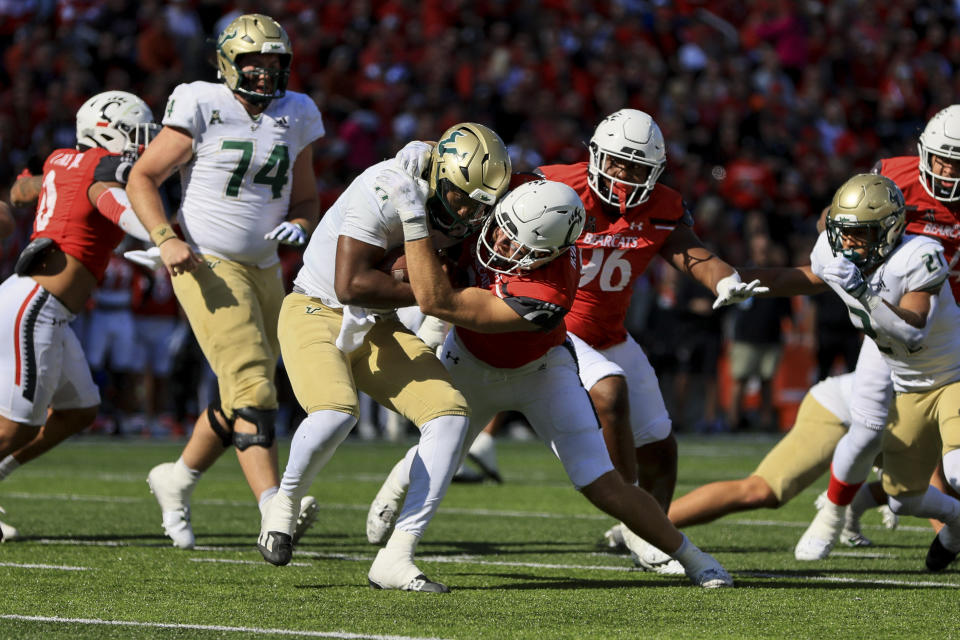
{"points": [[450, 356], [591, 224], [636, 226], [215, 117], [282, 122]]}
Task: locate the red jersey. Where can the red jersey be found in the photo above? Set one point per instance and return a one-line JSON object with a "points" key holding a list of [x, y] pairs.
{"points": [[64, 212], [542, 296], [615, 253], [926, 216]]}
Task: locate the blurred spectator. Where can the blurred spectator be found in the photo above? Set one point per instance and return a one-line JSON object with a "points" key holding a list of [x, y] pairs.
{"points": [[757, 342]]}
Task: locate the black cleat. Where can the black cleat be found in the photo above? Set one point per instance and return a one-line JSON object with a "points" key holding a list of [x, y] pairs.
{"points": [[487, 471], [421, 583], [938, 557], [276, 548]]}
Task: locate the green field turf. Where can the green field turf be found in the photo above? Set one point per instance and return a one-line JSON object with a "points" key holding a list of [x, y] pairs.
{"points": [[523, 559]]}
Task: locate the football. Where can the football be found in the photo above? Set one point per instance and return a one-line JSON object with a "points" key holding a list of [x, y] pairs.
{"points": [[395, 264]]}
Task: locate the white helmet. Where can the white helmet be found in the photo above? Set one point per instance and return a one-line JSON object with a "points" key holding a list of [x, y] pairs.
{"points": [[632, 135], [117, 121], [941, 137], [539, 220]]}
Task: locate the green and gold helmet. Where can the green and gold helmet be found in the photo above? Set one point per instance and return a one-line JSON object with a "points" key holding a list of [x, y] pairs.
{"points": [[254, 33], [469, 172], [869, 207]]}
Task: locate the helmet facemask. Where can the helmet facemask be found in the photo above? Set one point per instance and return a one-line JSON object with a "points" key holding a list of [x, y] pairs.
{"points": [[625, 136], [533, 225], [469, 170], [117, 121], [254, 33], [870, 209]]}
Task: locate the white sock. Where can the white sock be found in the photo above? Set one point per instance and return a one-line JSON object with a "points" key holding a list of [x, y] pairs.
{"points": [[7, 466], [931, 504], [265, 498], [436, 458], [317, 437], [185, 474], [403, 542]]}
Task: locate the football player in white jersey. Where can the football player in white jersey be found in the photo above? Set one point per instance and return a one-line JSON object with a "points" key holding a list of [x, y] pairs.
{"points": [[895, 287], [243, 150], [339, 334]]}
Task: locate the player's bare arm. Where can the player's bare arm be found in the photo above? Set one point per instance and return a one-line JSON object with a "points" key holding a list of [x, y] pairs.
{"points": [[687, 254], [472, 308], [171, 148], [786, 281], [7, 224], [914, 308], [359, 282], [25, 191], [304, 200]]}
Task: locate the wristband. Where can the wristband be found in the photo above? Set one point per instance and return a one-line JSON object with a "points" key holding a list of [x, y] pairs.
{"points": [[870, 300], [162, 233], [415, 227]]}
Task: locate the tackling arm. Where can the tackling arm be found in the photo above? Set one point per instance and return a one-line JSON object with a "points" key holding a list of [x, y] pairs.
{"points": [[687, 254], [25, 191], [472, 308]]}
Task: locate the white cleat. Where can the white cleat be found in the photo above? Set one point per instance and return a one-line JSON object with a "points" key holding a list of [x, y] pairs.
{"points": [[889, 519], [648, 557], [393, 570], [380, 520], [173, 505], [8, 532], [818, 540], [613, 538], [706, 572], [309, 509]]}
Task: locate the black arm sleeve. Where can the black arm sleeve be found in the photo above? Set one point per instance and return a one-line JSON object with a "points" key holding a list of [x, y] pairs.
{"points": [[112, 169], [545, 315]]}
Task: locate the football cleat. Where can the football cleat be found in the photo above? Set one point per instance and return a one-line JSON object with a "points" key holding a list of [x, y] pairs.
{"points": [[7, 532], [309, 509], [173, 505], [706, 572], [466, 475], [818, 540], [613, 538], [889, 519], [380, 520], [939, 557], [275, 547], [392, 570], [648, 557]]}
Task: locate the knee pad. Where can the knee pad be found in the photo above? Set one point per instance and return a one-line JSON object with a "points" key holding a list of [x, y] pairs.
{"points": [[264, 419], [224, 429]]}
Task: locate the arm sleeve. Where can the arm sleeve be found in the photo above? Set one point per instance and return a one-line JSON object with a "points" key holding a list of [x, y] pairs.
{"points": [[545, 315], [872, 388], [112, 168], [114, 205]]}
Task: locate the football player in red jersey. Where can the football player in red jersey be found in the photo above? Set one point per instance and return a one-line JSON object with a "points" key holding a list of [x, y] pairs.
{"points": [[82, 215], [930, 182], [630, 219], [510, 351]]}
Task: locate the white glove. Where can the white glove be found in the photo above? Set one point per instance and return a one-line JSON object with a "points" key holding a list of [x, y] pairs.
{"points": [[732, 289], [433, 331], [149, 258], [844, 274], [408, 195], [415, 157], [288, 233]]}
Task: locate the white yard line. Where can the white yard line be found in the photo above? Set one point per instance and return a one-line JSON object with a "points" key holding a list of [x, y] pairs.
{"points": [[897, 583], [211, 627], [58, 567], [258, 563]]}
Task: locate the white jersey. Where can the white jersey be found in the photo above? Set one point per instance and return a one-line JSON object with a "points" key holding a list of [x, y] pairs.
{"points": [[363, 212], [916, 264], [236, 189], [834, 393]]}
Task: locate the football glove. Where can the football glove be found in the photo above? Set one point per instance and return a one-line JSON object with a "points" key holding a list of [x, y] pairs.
{"points": [[732, 290], [408, 195], [288, 233], [414, 157], [844, 274], [149, 258]]}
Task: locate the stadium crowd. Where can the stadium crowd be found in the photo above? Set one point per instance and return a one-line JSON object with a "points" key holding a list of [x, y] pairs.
{"points": [[766, 106]]}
